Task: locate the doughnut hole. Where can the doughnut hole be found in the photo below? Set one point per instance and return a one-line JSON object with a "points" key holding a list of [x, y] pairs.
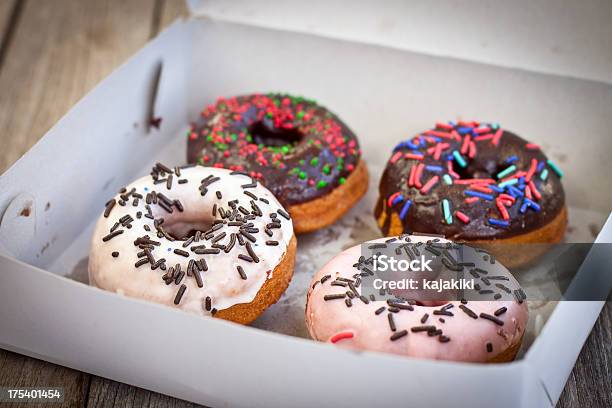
{"points": [[265, 133], [183, 226]]}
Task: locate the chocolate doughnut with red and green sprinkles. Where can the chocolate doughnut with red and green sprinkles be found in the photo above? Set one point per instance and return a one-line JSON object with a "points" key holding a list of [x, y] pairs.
{"points": [[303, 153], [474, 182]]}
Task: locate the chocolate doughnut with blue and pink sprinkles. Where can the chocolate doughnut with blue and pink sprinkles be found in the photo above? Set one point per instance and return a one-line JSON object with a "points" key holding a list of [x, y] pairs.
{"points": [[472, 182], [302, 152]]}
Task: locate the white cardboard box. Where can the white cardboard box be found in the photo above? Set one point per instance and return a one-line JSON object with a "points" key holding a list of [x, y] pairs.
{"points": [[385, 95]]}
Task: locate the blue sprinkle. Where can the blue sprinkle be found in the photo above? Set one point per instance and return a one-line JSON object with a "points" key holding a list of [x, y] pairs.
{"points": [[511, 159], [397, 199], [450, 122], [531, 204], [540, 166], [499, 223], [515, 191], [495, 188], [405, 209], [472, 193], [436, 169], [523, 208], [146, 189], [464, 129]]}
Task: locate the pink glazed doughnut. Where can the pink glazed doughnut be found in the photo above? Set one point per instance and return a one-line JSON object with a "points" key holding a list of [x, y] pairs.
{"points": [[474, 331]]}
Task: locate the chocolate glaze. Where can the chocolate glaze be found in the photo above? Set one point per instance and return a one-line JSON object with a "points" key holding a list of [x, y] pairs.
{"points": [[298, 149], [426, 215]]}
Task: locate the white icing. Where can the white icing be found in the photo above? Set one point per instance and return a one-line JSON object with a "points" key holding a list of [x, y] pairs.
{"points": [[222, 281]]}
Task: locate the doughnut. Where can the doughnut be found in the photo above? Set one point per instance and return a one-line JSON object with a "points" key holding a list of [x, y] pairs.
{"points": [[476, 183], [212, 242], [470, 331], [303, 153]]}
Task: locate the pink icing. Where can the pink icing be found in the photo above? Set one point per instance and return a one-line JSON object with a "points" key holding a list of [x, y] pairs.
{"points": [[358, 327]]}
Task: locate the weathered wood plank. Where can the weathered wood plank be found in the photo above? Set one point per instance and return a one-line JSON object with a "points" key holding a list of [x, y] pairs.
{"points": [[590, 382], [106, 393], [170, 10], [21, 371], [7, 17], [59, 51]]}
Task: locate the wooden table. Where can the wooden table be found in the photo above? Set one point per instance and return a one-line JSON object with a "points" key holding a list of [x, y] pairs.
{"points": [[52, 52]]}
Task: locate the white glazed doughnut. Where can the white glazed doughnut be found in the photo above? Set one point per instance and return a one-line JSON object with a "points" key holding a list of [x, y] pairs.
{"points": [[471, 331], [197, 238]]}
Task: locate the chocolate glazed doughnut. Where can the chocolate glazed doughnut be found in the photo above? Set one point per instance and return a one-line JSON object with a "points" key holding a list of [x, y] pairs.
{"points": [[303, 153], [477, 183]]}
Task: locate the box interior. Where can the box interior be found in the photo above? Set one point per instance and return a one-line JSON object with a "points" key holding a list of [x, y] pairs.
{"points": [[385, 96]]}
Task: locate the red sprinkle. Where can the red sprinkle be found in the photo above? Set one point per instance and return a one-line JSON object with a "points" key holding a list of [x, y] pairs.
{"points": [[531, 171], [471, 200], [502, 210], [534, 190], [430, 183], [411, 177], [341, 336], [532, 146], [466, 144], [464, 218], [497, 136], [391, 198], [475, 181]]}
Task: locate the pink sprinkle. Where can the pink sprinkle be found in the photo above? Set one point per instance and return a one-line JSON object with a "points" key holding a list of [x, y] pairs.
{"points": [[507, 197], [534, 190], [417, 175], [482, 130], [443, 125], [532, 146], [465, 144], [502, 210], [471, 200], [475, 181], [471, 123], [341, 336], [449, 166], [430, 183], [497, 136], [455, 135], [472, 152], [480, 138], [395, 157], [438, 133], [532, 169], [464, 218], [413, 156], [528, 192], [481, 188], [411, 177]]}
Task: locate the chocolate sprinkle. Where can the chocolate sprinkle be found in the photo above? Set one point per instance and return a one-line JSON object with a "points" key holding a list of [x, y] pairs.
{"points": [[468, 311], [489, 347], [500, 311], [492, 318], [241, 272], [179, 294], [398, 335]]}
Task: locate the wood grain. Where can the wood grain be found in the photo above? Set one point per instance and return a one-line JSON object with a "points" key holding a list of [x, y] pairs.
{"points": [[55, 52], [59, 51]]}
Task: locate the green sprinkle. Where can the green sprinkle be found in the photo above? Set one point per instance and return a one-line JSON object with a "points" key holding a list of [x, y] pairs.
{"points": [[302, 175], [285, 149], [269, 115], [301, 162], [448, 218], [327, 169], [209, 138], [544, 174], [314, 161], [341, 180], [504, 173], [459, 158], [556, 169], [234, 137], [300, 114], [507, 183], [321, 184], [447, 179]]}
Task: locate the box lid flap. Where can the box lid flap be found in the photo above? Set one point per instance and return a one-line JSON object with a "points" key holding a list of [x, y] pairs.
{"points": [[555, 37]]}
